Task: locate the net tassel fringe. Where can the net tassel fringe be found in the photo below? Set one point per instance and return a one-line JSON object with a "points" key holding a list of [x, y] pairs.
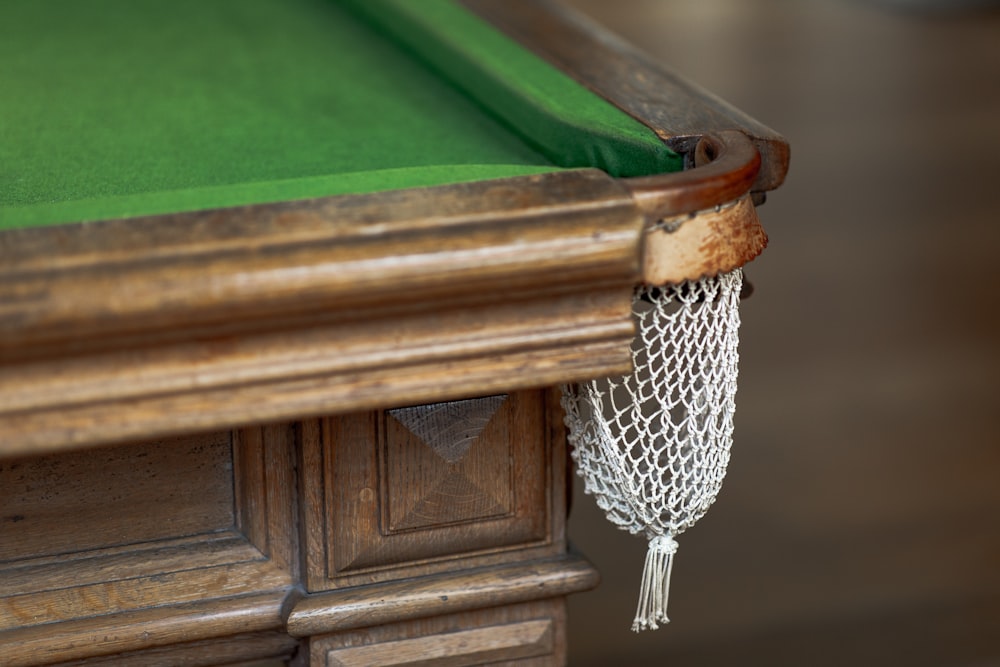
{"points": [[653, 446], [655, 589]]}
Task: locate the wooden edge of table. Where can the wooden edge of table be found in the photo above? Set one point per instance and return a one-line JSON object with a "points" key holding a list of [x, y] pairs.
{"points": [[99, 635], [175, 324], [396, 601], [680, 112], [687, 247], [122, 329], [77, 605], [717, 239], [126, 329], [730, 158]]}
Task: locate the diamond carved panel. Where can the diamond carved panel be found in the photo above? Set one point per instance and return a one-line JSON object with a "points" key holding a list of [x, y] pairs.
{"points": [[443, 464], [390, 493]]}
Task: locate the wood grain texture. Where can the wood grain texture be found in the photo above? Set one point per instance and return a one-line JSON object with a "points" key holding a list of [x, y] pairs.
{"points": [[510, 641], [680, 111], [444, 593], [125, 563], [722, 170], [110, 492], [264, 482], [313, 514], [118, 594], [728, 155], [693, 246], [526, 635], [124, 329], [414, 550], [194, 321], [137, 546], [242, 650], [157, 626], [355, 481], [448, 463], [241, 264]]}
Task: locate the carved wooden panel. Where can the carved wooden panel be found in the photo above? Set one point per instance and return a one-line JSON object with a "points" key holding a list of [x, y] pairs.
{"points": [[101, 498], [526, 635], [264, 486], [446, 463], [134, 549], [399, 492]]}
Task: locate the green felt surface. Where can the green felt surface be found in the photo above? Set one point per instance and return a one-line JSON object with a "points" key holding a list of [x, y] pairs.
{"points": [[116, 108], [568, 123]]}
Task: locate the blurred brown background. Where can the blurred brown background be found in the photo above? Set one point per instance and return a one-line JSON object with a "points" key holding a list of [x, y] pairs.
{"points": [[860, 522]]}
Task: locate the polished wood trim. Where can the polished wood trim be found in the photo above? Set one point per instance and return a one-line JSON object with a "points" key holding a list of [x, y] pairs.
{"points": [[530, 634], [54, 427], [61, 608], [127, 329], [724, 171], [67, 589], [507, 641], [220, 580], [729, 157], [215, 274], [157, 626], [242, 650], [264, 486], [679, 111], [445, 593]]}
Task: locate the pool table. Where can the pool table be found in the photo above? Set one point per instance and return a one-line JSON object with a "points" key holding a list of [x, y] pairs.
{"points": [[287, 290]]}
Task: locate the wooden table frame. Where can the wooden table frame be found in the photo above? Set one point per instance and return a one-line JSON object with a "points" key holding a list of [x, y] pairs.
{"points": [[247, 323]]}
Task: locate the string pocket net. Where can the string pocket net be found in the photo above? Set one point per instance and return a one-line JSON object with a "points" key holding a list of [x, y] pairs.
{"points": [[652, 446]]}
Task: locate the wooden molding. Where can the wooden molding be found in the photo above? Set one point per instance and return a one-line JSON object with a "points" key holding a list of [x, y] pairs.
{"points": [[176, 541], [155, 597], [129, 329], [508, 641], [220, 318], [530, 634], [220, 327], [365, 457], [350, 478], [264, 486], [258, 649], [445, 593], [680, 111]]}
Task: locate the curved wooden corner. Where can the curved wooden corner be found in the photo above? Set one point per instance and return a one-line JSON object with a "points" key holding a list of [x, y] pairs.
{"points": [[701, 222], [679, 111], [726, 165], [689, 247]]}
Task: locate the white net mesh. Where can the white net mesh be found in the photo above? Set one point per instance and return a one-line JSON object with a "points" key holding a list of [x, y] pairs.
{"points": [[652, 447]]}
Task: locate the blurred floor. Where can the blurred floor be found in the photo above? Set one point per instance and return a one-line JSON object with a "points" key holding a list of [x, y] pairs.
{"points": [[860, 522]]}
